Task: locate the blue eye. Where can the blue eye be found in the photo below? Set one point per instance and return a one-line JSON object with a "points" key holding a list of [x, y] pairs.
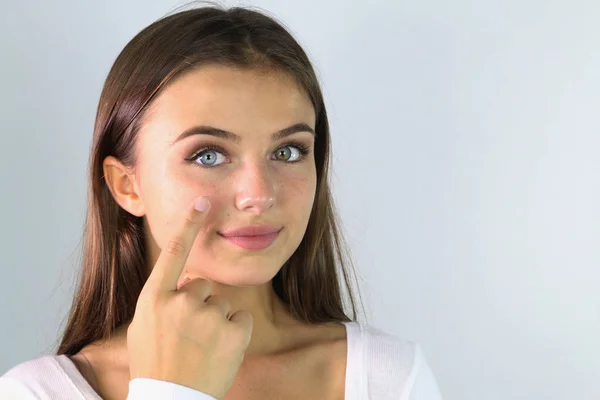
{"points": [[209, 157]]}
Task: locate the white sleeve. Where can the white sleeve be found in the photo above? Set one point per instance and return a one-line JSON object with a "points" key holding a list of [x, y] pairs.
{"points": [[14, 390], [153, 389], [425, 386]]}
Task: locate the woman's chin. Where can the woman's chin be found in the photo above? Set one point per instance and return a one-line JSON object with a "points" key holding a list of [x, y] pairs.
{"points": [[240, 276]]}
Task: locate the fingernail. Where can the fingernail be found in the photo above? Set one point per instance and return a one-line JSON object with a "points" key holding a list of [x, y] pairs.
{"points": [[201, 204]]}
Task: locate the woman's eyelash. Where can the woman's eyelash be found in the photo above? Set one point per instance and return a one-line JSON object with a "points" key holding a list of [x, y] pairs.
{"points": [[209, 147], [302, 148]]}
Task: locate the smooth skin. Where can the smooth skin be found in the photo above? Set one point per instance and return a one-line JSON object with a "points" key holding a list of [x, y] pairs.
{"points": [[281, 357]]}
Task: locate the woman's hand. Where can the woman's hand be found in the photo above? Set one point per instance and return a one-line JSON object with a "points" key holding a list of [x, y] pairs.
{"points": [[185, 335]]}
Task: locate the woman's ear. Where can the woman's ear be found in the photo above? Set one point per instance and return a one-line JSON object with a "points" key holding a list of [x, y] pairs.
{"points": [[122, 184]]}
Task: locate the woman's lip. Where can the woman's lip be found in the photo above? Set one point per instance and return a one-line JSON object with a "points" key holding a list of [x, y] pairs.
{"points": [[256, 242], [252, 230]]}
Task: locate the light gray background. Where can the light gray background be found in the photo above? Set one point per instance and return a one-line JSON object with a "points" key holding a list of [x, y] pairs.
{"points": [[466, 140]]}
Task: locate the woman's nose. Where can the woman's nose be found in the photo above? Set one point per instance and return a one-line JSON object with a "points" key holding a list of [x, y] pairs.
{"points": [[256, 190]]}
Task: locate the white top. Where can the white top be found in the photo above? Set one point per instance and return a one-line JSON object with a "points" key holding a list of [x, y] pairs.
{"points": [[379, 367]]}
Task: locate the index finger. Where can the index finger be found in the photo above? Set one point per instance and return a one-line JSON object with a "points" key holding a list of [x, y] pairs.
{"points": [[172, 258]]}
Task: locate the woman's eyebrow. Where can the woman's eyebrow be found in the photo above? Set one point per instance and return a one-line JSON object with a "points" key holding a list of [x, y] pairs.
{"points": [[212, 131]]}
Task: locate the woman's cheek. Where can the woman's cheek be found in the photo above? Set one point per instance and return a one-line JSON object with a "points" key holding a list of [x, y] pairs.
{"points": [[300, 189], [187, 191]]}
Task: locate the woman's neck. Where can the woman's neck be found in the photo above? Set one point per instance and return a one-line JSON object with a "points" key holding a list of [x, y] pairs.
{"points": [[272, 331]]}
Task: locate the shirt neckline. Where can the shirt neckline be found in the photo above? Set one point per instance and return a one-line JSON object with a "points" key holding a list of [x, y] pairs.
{"points": [[353, 380], [77, 379]]}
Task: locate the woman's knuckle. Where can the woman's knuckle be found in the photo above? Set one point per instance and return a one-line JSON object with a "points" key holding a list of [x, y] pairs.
{"points": [[175, 247]]}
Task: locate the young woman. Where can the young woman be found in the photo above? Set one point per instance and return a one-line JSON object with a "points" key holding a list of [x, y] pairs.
{"points": [[213, 264]]}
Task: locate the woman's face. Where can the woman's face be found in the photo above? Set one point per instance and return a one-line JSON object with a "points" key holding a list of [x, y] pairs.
{"points": [[251, 175]]}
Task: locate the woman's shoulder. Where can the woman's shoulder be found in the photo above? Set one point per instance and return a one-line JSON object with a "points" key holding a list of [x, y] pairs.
{"points": [[45, 377], [379, 344], [41, 364], [392, 366]]}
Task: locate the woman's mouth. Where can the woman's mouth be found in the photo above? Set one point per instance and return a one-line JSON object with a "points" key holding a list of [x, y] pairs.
{"points": [[252, 237]]}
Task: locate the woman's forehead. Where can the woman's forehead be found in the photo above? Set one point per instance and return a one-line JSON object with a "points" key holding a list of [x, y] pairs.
{"points": [[218, 87], [231, 99]]}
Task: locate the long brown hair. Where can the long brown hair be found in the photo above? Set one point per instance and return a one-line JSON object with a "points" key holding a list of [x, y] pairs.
{"points": [[114, 263]]}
